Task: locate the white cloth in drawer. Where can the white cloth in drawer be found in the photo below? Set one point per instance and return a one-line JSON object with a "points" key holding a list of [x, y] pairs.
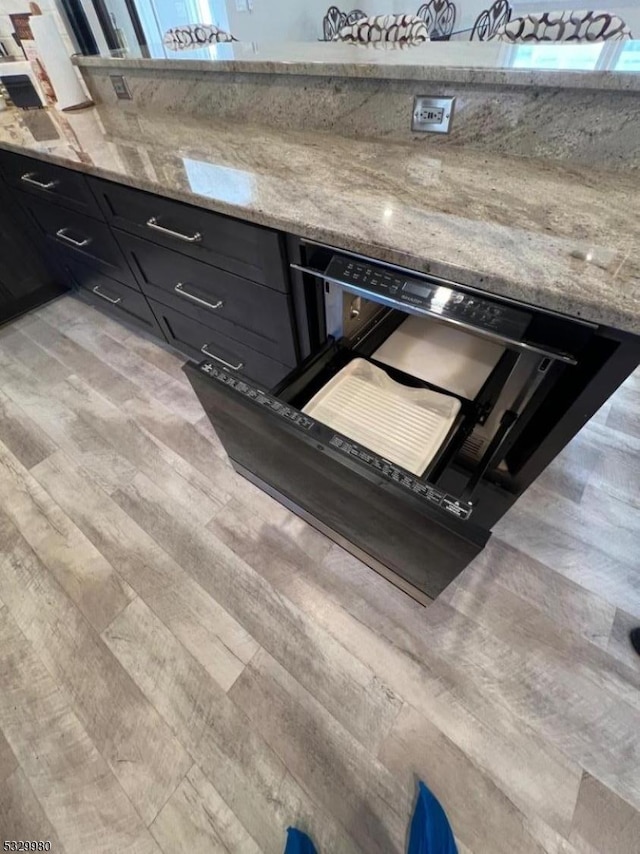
{"points": [[404, 425], [440, 354]]}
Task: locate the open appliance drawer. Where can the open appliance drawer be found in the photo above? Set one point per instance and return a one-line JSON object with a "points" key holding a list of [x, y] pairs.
{"points": [[418, 524]]}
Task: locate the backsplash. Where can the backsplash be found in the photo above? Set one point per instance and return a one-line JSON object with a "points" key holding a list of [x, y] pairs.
{"points": [[588, 126]]}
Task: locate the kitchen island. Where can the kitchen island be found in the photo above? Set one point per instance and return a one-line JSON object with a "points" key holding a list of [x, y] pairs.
{"points": [[272, 677]]}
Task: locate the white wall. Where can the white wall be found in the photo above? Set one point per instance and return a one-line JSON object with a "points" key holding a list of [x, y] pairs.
{"points": [[298, 20], [13, 7]]}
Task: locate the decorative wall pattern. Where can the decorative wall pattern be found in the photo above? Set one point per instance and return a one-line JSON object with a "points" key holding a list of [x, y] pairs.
{"points": [[564, 26], [194, 36], [497, 22], [397, 29], [438, 16]]}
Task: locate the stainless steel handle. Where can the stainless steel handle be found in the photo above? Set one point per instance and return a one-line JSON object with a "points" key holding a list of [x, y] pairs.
{"points": [[179, 289], [96, 291], [29, 178], [237, 367], [62, 234], [153, 223]]}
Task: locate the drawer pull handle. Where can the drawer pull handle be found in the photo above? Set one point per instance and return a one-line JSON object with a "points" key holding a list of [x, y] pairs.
{"points": [[97, 292], [153, 223], [237, 367], [179, 289], [62, 234], [29, 178]]}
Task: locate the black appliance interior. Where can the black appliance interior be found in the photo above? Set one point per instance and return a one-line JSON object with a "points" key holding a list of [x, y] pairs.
{"points": [[418, 530]]}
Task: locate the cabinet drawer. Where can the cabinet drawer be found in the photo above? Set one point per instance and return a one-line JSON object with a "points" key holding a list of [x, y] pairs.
{"points": [[85, 275], [200, 342], [117, 300], [246, 250], [60, 185], [86, 238], [243, 310]]}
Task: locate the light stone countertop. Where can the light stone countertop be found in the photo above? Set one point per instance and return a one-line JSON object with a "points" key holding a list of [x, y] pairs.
{"points": [[561, 237], [567, 66]]}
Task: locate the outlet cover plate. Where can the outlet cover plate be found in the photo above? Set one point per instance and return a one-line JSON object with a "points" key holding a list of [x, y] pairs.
{"points": [[432, 115], [120, 87]]}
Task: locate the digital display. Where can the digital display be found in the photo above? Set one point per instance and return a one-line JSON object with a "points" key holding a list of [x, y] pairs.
{"points": [[419, 290]]}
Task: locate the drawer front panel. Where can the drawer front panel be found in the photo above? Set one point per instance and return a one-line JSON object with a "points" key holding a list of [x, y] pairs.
{"points": [[243, 310], [238, 247], [88, 239], [201, 342], [59, 185], [86, 275], [118, 300]]}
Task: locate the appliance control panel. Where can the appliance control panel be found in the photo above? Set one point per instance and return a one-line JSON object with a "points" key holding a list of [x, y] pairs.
{"points": [[433, 299]]}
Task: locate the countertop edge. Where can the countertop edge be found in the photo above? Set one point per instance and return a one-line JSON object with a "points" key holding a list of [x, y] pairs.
{"points": [[585, 310], [472, 75]]}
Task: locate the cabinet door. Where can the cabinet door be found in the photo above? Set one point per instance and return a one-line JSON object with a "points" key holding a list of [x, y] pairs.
{"points": [[88, 239], [58, 184], [26, 278], [250, 251], [201, 342]]}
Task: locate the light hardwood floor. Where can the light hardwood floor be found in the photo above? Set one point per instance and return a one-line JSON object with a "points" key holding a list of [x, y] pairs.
{"points": [[185, 666]]}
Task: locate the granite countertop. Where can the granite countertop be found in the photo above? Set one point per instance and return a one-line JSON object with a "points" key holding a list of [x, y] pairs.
{"points": [[569, 66], [560, 237]]}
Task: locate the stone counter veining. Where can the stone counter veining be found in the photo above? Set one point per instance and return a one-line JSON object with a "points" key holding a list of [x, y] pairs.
{"points": [[559, 237]]}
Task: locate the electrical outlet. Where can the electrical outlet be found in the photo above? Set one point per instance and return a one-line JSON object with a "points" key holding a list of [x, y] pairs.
{"points": [[120, 87], [432, 115]]}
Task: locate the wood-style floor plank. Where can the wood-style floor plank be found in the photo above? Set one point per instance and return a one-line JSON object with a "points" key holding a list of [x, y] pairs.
{"points": [[531, 633], [149, 379], [21, 435], [212, 728], [209, 632], [171, 679], [356, 607], [604, 822], [42, 404], [139, 747], [88, 579], [79, 795], [21, 816], [619, 644], [100, 376], [348, 688], [8, 762], [338, 771], [484, 818], [255, 675], [560, 598], [196, 820], [133, 443]]}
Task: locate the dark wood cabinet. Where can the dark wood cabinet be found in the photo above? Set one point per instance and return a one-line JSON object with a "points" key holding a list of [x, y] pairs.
{"points": [[201, 342], [48, 181], [86, 238], [124, 303], [249, 251], [252, 314], [27, 278], [200, 280]]}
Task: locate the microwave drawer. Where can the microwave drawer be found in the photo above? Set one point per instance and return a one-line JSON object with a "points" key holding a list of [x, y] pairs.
{"points": [[250, 251], [88, 239], [243, 310], [115, 299], [199, 342], [361, 499], [59, 185]]}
